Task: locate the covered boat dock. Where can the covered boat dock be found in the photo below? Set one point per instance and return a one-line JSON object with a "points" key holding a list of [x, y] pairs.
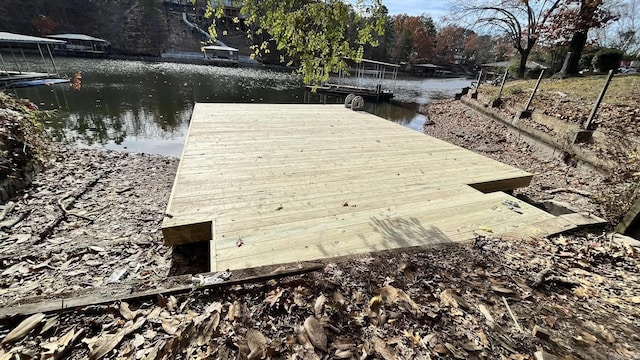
{"points": [[370, 79], [16, 71], [80, 45]]}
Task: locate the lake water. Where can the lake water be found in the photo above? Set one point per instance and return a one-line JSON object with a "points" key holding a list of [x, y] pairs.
{"points": [[145, 107]]}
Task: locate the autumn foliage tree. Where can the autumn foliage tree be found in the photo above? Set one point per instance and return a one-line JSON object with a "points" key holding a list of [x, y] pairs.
{"points": [[44, 25], [414, 38], [450, 41], [570, 24]]}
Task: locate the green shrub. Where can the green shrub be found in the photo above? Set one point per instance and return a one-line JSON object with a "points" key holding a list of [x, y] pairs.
{"points": [[607, 59], [586, 60]]}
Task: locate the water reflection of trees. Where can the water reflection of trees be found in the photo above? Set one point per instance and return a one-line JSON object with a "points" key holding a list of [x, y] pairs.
{"points": [[132, 101]]}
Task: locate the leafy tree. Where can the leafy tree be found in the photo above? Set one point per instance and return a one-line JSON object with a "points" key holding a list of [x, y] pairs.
{"points": [[44, 25], [403, 46], [521, 20], [317, 34], [572, 20], [385, 47], [502, 49], [450, 41], [416, 37], [477, 48]]}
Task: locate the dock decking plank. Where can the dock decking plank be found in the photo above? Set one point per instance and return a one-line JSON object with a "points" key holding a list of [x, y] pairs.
{"points": [[301, 182]]}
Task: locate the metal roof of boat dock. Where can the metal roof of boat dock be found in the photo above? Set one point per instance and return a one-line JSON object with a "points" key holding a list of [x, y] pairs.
{"points": [[376, 62], [81, 37], [7, 37], [218, 47]]}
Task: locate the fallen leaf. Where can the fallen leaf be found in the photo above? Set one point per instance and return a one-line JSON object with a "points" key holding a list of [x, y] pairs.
{"points": [[50, 323], [56, 347], [274, 296], [339, 298], [484, 311], [235, 311], [318, 307], [155, 313], [414, 338], [391, 295], [172, 303], [502, 290], [448, 299], [170, 326], [126, 313], [383, 349], [471, 346], [457, 353], [343, 354], [316, 333], [205, 335], [23, 328], [105, 344], [256, 339], [303, 338]]}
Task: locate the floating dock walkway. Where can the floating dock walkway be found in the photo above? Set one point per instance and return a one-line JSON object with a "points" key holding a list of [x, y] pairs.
{"points": [[275, 184]]}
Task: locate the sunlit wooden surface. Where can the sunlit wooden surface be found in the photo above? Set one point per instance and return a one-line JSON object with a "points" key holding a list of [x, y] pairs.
{"points": [[271, 184]]}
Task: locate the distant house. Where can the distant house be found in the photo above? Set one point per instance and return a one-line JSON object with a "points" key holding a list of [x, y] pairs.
{"points": [[80, 45], [231, 7], [179, 2], [430, 70]]}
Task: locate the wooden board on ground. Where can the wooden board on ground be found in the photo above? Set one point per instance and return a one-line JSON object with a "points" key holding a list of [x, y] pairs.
{"points": [[270, 184]]}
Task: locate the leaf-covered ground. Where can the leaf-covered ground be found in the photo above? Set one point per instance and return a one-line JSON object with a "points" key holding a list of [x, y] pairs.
{"points": [[568, 103], [571, 100], [573, 295]]}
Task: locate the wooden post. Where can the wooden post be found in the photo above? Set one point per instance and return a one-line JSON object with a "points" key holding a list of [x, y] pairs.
{"points": [[588, 125], [526, 108]]}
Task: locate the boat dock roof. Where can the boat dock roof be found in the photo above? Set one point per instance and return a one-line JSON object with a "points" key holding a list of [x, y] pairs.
{"points": [[11, 38], [17, 77], [218, 47], [79, 37], [272, 184]]}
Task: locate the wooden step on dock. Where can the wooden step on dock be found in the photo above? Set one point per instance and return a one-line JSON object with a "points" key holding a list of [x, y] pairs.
{"points": [[271, 184]]}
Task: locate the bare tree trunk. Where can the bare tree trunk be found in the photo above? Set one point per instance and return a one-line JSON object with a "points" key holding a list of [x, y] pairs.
{"points": [[522, 66], [572, 61]]}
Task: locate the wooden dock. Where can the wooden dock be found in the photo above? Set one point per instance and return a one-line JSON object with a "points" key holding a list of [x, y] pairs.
{"points": [[272, 184]]}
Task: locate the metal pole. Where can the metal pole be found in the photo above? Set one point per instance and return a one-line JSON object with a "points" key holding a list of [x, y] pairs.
{"points": [[589, 124], [526, 108], [14, 59], [4, 66], [479, 77], [44, 62], [504, 79], [52, 62]]}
